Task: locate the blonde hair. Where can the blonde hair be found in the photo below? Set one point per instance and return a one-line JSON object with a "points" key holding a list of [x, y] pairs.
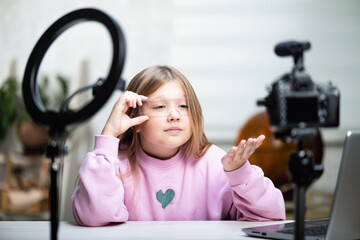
{"points": [[147, 82]]}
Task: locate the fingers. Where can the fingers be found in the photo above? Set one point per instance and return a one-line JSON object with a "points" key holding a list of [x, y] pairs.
{"points": [[138, 120], [250, 147], [230, 155], [132, 99], [129, 99], [237, 156], [246, 148], [118, 121], [259, 140]]}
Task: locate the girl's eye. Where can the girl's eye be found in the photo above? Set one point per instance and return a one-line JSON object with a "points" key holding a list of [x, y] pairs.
{"points": [[184, 106], [159, 107]]}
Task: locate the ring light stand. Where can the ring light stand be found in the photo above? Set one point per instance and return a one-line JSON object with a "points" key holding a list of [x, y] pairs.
{"points": [[58, 122]]}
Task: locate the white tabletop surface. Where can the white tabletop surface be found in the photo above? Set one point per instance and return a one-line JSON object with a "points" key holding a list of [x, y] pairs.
{"points": [[38, 230]]}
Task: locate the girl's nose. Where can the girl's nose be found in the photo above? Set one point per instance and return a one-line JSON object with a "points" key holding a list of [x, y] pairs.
{"points": [[173, 115]]}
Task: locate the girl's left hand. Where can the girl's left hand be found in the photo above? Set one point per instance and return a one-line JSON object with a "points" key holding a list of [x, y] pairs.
{"points": [[237, 156]]}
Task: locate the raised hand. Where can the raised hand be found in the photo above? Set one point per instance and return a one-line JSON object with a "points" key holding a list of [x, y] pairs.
{"points": [[237, 156], [118, 121]]}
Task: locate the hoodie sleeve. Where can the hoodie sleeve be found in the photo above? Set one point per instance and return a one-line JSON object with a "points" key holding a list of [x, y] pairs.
{"points": [[255, 196], [99, 197]]}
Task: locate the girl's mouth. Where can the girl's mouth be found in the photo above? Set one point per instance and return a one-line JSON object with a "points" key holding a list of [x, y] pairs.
{"points": [[173, 130]]}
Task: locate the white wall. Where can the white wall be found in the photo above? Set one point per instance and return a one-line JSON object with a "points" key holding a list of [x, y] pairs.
{"points": [[225, 48]]}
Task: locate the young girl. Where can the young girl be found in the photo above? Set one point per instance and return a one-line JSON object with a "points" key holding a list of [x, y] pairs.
{"points": [[153, 161]]}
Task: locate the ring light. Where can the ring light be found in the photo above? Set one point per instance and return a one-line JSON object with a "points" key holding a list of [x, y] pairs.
{"points": [[58, 121]]}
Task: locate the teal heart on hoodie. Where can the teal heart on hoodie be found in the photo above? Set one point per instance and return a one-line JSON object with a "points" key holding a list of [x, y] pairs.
{"points": [[165, 198]]}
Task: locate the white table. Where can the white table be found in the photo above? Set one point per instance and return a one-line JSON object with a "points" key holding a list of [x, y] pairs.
{"points": [[38, 230]]}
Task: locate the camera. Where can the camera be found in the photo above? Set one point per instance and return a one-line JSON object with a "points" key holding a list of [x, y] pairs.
{"points": [[295, 101]]}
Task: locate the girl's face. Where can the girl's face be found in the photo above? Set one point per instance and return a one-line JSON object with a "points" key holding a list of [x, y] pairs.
{"points": [[169, 125]]}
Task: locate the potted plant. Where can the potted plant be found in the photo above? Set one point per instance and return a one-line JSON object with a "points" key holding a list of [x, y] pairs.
{"points": [[24, 186], [33, 136], [11, 107]]}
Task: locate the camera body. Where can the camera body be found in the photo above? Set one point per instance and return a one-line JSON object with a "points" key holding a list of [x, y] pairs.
{"points": [[295, 101]]}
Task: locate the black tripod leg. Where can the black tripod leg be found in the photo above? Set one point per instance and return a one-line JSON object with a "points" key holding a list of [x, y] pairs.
{"points": [[299, 211], [53, 199]]}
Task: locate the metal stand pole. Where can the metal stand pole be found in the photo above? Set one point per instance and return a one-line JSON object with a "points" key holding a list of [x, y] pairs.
{"points": [[53, 151], [299, 212], [303, 172], [53, 199]]}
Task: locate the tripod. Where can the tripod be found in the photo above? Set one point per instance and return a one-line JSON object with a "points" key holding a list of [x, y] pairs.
{"points": [[302, 172], [60, 121]]}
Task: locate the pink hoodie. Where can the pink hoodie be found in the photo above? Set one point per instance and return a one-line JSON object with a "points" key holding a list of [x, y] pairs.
{"points": [[173, 189]]}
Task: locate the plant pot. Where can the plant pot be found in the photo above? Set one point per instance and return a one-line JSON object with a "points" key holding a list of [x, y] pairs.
{"points": [[33, 137]]}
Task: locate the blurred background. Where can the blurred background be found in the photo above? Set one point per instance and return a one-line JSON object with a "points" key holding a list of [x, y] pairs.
{"points": [[225, 48]]}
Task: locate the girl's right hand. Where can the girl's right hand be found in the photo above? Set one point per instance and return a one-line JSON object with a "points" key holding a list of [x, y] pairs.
{"points": [[118, 121]]}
